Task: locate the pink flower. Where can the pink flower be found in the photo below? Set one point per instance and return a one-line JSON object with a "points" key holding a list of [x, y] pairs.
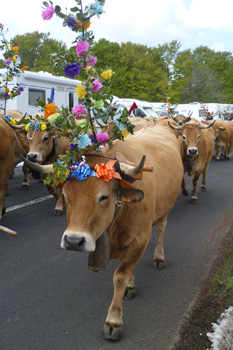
{"points": [[79, 109], [96, 85], [82, 47], [8, 60], [91, 61], [48, 13], [1, 25], [102, 137]]}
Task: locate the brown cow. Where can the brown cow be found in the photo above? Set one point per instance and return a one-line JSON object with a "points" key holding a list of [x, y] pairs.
{"points": [[197, 151], [92, 211], [223, 138], [21, 144], [44, 148], [7, 152]]}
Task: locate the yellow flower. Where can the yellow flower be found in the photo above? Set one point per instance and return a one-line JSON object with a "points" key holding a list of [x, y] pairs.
{"points": [[88, 69], [107, 74], [14, 58], [15, 48], [67, 172], [27, 127], [13, 121], [81, 91], [125, 133], [43, 126], [9, 79], [11, 94], [7, 46], [87, 25]]}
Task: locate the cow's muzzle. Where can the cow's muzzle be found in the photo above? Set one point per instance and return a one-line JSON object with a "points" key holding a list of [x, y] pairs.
{"points": [[74, 243], [32, 157], [192, 151]]}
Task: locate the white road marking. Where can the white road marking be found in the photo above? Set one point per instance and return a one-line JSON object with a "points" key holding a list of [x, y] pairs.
{"points": [[34, 201]]}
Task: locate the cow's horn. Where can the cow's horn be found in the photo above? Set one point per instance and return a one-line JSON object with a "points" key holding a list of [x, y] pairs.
{"points": [[131, 170], [21, 126], [175, 127], [42, 169], [201, 126]]}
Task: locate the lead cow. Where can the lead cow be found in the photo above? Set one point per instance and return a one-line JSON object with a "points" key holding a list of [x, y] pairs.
{"points": [[93, 213]]}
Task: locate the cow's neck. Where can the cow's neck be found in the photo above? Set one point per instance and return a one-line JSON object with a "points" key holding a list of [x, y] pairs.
{"points": [[53, 152]]}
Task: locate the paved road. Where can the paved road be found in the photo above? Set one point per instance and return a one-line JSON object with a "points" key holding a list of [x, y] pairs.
{"points": [[49, 300]]}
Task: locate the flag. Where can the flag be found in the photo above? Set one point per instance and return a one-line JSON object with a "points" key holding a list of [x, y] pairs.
{"points": [[134, 106]]}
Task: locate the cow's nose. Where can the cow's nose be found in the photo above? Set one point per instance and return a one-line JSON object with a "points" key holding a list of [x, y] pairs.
{"points": [[32, 157], [74, 243], [192, 151]]}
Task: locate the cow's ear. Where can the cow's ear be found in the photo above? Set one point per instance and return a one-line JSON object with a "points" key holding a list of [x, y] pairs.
{"points": [[128, 195], [221, 128]]}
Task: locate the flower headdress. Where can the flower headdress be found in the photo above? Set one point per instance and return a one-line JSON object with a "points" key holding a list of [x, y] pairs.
{"points": [[79, 125], [12, 67]]}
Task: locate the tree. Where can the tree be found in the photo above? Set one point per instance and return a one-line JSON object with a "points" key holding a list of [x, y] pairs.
{"points": [[35, 50]]}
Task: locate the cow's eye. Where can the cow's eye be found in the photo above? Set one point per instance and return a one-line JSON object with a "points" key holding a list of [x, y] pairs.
{"points": [[184, 137], [103, 198], [198, 136], [45, 138]]}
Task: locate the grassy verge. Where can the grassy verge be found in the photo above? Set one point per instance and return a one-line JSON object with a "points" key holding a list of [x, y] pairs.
{"points": [[215, 297]]}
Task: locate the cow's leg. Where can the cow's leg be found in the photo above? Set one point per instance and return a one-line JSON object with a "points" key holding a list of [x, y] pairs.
{"points": [[230, 149], [130, 288], [184, 188], [196, 178], [203, 183], [113, 326], [226, 149], [58, 210], [25, 183], [217, 152], [158, 259]]}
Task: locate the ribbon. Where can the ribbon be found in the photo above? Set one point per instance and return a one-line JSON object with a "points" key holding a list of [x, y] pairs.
{"points": [[106, 171]]}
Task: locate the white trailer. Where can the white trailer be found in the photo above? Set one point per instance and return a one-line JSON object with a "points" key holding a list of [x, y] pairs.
{"points": [[41, 85]]}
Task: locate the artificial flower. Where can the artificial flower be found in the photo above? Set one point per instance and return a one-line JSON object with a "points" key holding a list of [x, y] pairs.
{"points": [[13, 121], [14, 58], [53, 118], [82, 47], [71, 22], [119, 124], [50, 108], [23, 68], [82, 124], [71, 70], [6, 90], [96, 85], [1, 25], [107, 74], [84, 141], [98, 104], [91, 61], [47, 14], [81, 91], [125, 133], [8, 60], [15, 48], [102, 138], [96, 9], [27, 127], [79, 111], [43, 126]]}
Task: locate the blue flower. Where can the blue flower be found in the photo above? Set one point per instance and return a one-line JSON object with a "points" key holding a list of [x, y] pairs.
{"points": [[120, 125], [96, 9], [84, 141], [70, 22]]}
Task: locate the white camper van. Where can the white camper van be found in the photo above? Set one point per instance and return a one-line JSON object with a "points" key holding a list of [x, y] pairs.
{"points": [[41, 85], [144, 109]]}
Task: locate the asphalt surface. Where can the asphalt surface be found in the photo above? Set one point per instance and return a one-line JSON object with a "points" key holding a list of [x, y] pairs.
{"points": [[49, 300]]}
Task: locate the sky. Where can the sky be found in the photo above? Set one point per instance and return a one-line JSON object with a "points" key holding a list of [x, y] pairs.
{"points": [[148, 22]]}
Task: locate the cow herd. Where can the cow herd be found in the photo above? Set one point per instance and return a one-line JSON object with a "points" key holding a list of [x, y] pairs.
{"points": [[113, 219]]}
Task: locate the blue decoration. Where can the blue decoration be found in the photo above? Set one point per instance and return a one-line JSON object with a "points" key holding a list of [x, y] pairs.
{"points": [[84, 141]]}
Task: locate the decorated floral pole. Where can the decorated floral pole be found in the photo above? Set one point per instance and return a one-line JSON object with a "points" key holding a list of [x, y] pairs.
{"points": [[12, 68], [78, 125]]}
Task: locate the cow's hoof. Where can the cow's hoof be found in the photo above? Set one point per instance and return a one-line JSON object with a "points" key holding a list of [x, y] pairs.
{"points": [[194, 200], [217, 158], [129, 293], [113, 332], [3, 210], [185, 192], [203, 188], [25, 187], [58, 212], [159, 264]]}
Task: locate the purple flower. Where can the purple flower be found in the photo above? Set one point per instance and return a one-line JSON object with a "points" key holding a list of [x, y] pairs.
{"points": [[21, 88], [8, 60], [102, 138], [48, 13], [82, 47], [71, 70], [71, 22], [72, 146], [96, 85], [91, 61], [92, 138]]}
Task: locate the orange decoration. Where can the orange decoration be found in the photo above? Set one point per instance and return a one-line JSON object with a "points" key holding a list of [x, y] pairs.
{"points": [[106, 171]]}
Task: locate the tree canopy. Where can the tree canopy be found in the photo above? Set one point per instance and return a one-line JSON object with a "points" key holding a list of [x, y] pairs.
{"points": [[141, 72]]}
